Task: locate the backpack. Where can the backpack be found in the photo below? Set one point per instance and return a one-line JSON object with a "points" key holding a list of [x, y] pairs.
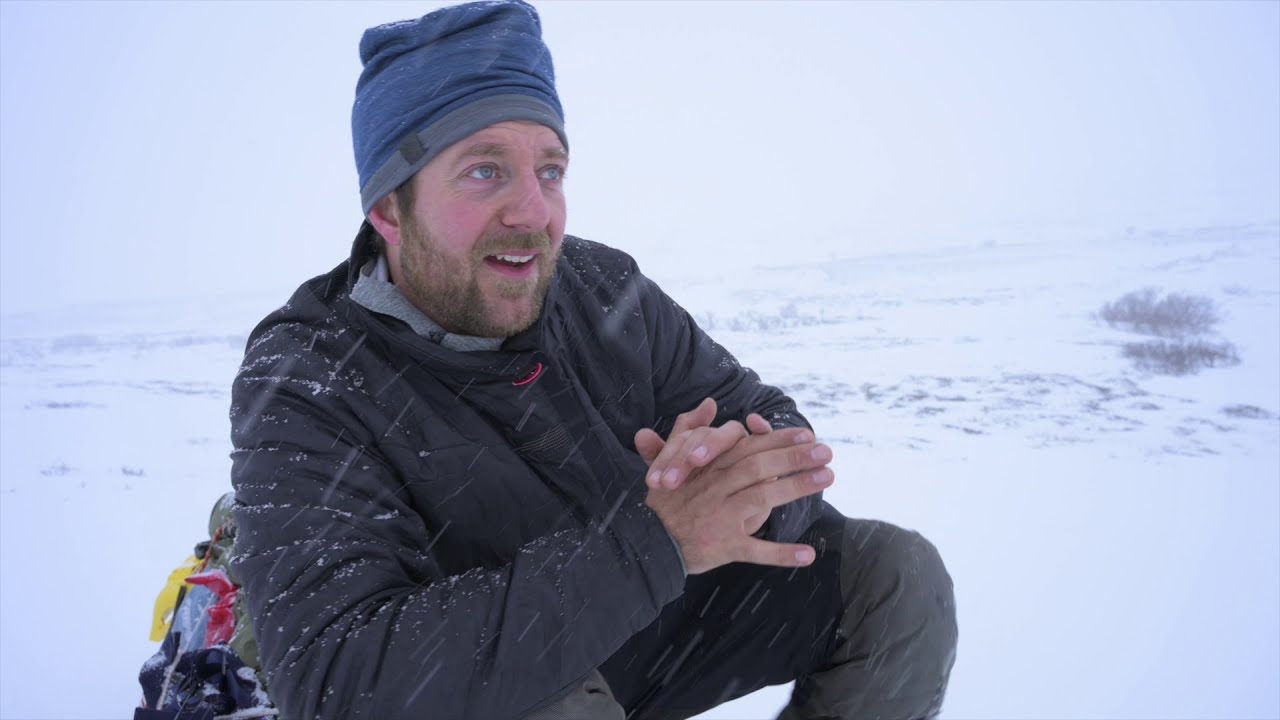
{"points": [[207, 664]]}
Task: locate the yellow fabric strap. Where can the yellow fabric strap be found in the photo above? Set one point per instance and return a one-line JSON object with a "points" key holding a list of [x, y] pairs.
{"points": [[167, 602]]}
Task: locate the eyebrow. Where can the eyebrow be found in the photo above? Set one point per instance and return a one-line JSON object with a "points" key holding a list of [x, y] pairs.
{"points": [[497, 150]]}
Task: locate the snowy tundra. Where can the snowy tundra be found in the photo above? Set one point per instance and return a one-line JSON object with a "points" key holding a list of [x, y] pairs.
{"points": [[1113, 531]]}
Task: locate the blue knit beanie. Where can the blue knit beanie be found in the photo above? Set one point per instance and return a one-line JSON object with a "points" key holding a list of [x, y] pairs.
{"points": [[430, 82]]}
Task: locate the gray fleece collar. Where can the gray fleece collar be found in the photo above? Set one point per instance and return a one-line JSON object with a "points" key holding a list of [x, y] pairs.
{"points": [[375, 291]]}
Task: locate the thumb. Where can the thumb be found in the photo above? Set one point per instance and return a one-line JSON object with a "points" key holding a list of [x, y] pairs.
{"points": [[701, 416], [648, 444], [757, 425]]}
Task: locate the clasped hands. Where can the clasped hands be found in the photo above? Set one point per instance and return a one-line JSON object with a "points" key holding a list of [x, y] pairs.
{"points": [[713, 488]]}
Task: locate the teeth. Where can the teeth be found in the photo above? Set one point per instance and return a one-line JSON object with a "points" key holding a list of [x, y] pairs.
{"points": [[519, 259]]}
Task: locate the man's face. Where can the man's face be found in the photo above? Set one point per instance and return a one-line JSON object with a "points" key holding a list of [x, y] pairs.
{"points": [[478, 251]]}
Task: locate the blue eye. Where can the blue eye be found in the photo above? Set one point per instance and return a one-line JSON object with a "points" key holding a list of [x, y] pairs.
{"points": [[553, 172], [484, 172]]}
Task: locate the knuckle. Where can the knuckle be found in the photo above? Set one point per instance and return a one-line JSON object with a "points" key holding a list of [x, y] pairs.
{"points": [[728, 436], [756, 499], [765, 441], [745, 499], [801, 457], [782, 493], [755, 465]]}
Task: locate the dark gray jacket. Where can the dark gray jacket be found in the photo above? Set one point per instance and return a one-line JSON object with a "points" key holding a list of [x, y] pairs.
{"points": [[422, 535]]}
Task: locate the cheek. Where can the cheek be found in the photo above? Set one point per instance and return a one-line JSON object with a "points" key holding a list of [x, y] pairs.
{"points": [[456, 229], [559, 215]]}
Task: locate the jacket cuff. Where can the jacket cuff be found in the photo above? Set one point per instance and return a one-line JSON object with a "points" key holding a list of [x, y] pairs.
{"points": [[658, 555]]}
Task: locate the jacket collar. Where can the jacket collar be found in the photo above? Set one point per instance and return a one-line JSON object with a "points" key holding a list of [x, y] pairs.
{"points": [[364, 249]]}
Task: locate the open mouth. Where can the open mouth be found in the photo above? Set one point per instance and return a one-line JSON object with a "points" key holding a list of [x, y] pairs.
{"points": [[513, 264]]}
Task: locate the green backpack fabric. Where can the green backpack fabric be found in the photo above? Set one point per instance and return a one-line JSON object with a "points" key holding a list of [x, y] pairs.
{"points": [[222, 540], [207, 666]]}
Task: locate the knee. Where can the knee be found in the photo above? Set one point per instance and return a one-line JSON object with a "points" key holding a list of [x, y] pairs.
{"points": [[895, 645], [896, 577], [885, 556]]}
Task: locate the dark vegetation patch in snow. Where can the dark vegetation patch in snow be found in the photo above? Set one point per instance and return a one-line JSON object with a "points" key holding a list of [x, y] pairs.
{"points": [[1249, 412], [1181, 320], [790, 315], [59, 405], [1180, 357], [41, 352], [57, 470], [1174, 315]]}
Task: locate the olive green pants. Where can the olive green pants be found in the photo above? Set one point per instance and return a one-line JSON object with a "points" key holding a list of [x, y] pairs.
{"points": [[868, 631]]}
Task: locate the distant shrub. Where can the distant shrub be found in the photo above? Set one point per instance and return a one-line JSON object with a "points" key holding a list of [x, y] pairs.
{"points": [[1181, 318], [1252, 412], [1180, 358], [788, 316], [74, 343], [1174, 316]]}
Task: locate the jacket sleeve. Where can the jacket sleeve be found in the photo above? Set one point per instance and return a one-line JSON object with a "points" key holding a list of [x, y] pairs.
{"points": [[689, 366], [353, 616]]}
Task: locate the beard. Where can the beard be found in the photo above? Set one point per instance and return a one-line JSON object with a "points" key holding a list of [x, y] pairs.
{"points": [[447, 288]]}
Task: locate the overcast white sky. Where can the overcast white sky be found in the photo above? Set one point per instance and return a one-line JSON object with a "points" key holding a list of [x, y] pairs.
{"points": [[153, 150]]}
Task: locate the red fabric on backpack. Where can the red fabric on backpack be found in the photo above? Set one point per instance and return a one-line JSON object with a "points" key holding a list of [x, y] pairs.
{"points": [[222, 616]]}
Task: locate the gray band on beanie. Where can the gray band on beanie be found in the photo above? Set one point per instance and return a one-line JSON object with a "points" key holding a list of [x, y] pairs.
{"points": [[418, 149]]}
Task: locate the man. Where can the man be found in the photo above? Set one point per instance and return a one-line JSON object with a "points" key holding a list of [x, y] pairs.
{"points": [[486, 470]]}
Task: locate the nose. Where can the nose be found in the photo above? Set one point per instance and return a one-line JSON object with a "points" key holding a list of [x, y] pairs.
{"points": [[527, 209]]}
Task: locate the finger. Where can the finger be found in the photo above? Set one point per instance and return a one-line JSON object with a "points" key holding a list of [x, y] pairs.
{"points": [[649, 444], [757, 425], [694, 449], [764, 552], [764, 496], [761, 442], [701, 416], [776, 463], [666, 454], [753, 524], [704, 447], [672, 468]]}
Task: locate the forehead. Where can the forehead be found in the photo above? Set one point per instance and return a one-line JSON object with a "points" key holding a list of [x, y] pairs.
{"points": [[511, 137]]}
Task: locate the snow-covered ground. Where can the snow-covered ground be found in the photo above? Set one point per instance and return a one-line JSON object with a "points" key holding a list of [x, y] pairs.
{"points": [[1114, 535]]}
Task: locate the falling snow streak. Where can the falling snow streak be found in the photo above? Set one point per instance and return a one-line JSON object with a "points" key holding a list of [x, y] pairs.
{"points": [[608, 518], [426, 551], [745, 598], [400, 415], [529, 627], [394, 379], [351, 456], [422, 685], [684, 655], [525, 418], [347, 355], [566, 627]]}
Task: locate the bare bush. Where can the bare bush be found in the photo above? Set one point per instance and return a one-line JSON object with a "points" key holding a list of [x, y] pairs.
{"points": [[1174, 316], [788, 316], [1251, 412], [1180, 358]]}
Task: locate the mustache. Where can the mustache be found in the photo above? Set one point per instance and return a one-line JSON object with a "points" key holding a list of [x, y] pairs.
{"points": [[499, 242]]}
